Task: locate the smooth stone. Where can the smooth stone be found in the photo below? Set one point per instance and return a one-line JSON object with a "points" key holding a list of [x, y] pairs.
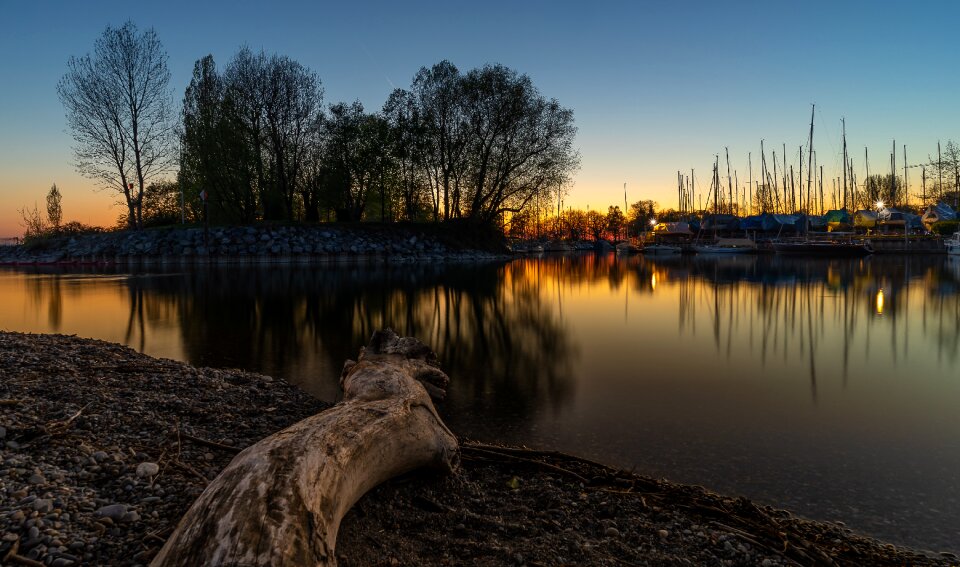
{"points": [[43, 505], [147, 469], [112, 511]]}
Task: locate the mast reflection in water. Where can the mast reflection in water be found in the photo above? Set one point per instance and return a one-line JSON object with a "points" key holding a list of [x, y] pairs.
{"points": [[827, 387]]}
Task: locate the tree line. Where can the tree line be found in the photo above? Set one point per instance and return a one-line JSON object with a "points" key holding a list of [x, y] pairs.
{"points": [[256, 142]]}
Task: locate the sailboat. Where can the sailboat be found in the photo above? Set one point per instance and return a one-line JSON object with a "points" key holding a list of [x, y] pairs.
{"points": [[823, 246]]}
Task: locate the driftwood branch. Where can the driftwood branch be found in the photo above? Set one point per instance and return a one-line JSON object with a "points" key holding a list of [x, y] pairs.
{"points": [[280, 501]]}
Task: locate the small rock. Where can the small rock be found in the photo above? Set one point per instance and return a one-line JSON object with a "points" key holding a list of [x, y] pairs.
{"points": [[766, 563], [611, 532], [43, 505], [100, 456], [147, 469], [664, 534], [113, 511], [130, 516], [10, 537]]}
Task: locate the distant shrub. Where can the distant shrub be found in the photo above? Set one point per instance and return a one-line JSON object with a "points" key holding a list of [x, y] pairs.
{"points": [[945, 228]]}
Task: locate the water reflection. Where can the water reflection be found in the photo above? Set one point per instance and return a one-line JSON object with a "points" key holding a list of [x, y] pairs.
{"points": [[827, 386], [490, 325]]}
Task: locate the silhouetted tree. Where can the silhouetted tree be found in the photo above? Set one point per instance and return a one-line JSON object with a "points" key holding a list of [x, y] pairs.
{"points": [[438, 95], [407, 147], [887, 188], [596, 224], [54, 210], [615, 221], [118, 110], [215, 155], [357, 153], [520, 143], [639, 215]]}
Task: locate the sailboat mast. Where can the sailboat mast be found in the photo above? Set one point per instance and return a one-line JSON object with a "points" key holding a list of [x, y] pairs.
{"points": [[750, 201], [906, 186], [716, 186], [893, 173], [776, 189], [763, 178], [810, 156], [785, 179], [800, 177], [729, 182], [844, 122], [866, 184], [940, 172]]}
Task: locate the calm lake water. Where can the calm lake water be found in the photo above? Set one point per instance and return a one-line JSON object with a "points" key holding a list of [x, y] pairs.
{"points": [[831, 388]]}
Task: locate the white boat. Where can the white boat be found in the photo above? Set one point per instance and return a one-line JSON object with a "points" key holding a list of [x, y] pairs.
{"points": [[952, 244], [661, 249], [727, 246]]}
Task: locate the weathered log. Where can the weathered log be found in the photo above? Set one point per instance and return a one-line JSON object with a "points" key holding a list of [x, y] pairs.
{"points": [[280, 501]]}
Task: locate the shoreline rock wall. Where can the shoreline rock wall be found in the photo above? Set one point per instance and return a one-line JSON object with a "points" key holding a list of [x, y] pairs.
{"points": [[256, 244]]}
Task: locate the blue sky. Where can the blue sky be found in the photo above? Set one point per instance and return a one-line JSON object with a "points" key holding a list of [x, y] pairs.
{"points": [[655, 86]]}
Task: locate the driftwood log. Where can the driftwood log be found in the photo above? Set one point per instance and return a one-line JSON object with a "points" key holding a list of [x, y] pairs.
{"points": [[280, 501]]}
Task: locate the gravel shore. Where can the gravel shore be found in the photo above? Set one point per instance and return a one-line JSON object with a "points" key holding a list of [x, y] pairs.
{"points": [[103, 449]]}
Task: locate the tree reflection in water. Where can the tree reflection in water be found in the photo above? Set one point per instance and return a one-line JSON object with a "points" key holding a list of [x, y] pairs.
{"points": [[494, 333]]}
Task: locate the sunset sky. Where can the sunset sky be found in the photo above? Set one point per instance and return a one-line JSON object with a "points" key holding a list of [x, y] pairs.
{"points": [[655, 86]]}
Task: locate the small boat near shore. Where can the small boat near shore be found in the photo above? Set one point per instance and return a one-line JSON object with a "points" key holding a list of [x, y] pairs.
{"points": [[727, 246], [952, 244], [825, 248], [661, 249]]}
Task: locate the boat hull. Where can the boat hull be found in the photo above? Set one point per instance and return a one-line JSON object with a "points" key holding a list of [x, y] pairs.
{"points": [[661, 250], [830, 249], [723, 250]]}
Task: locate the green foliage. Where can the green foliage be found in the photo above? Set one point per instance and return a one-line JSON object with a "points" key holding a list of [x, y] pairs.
{"points": [[945, 228]]}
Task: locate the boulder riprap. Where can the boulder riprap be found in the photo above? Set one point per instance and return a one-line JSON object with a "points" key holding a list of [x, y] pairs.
{"points": [[256, 244]]}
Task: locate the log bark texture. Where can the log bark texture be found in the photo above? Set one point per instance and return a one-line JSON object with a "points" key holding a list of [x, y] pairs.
{"points": [[280, 501]]}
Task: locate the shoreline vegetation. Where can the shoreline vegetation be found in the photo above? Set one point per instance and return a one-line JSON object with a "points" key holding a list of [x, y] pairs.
{"points": [[104, 449]]}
